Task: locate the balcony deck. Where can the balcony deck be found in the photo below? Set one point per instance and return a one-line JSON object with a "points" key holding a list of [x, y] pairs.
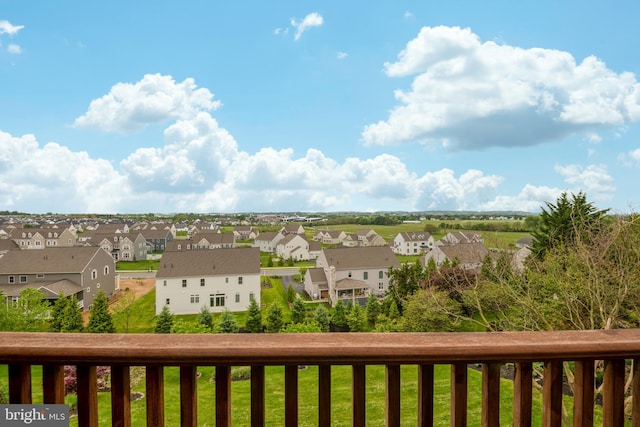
{"points": [[120, 351]]}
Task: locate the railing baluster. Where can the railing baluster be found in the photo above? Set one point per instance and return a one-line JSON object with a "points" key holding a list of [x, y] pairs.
{"points": [[522, 394], [155, 395], [324, 395], [223, 396], [120, 396], [188, 396], [393, 395], [291, 395], [583, 386], [87, 395], [425, 395], [613, 393], [635, 394], [358, 399], [552, 394], [459, 395], [20, 383], [53, 384], [491, 394], [257, 396]]}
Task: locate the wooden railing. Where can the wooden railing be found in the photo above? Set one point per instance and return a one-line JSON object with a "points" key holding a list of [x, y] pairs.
{"points": [[619, 349]]}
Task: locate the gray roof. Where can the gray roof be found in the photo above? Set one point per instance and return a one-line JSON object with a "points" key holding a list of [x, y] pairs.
{"points": [[466, 253], [48, 260], [213, 262], [410, 236], [317, 275], [361, 257]]}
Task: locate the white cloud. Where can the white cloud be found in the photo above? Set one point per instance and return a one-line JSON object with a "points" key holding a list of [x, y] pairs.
{"points": [[408, 14], [593, 179], [154, 99], [342, 55], [7, 28], [475, 95], [14, 49], [635, 156], [313, 19]]}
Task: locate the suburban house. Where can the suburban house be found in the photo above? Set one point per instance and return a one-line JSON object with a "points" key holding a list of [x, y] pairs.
{"points": [[220, 279], [122, 246], [267, 241], [82, 271], [212, 240], [363, 238], [293, 246], [412, 243], [40, 238], [469, 256], [351, 273], [245, 232], [456, 237], [330, 237], [157, 238], [292, 229]]}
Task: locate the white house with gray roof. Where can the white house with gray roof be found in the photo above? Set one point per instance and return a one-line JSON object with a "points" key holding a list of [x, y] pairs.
{"points": [[412, 243], [220, 279]]}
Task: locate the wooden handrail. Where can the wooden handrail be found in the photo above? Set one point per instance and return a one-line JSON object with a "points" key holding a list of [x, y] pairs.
{"points": [[318, 348], [490, 349]]}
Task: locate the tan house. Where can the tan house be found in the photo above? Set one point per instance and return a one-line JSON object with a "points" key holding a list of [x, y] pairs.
{"points": [[268, 241], [469, 256], [40, 238], [412, 243], [80, 271], [293, 246]]}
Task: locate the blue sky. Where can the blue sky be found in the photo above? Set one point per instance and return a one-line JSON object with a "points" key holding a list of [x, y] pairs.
{"points": [[201, 106]]}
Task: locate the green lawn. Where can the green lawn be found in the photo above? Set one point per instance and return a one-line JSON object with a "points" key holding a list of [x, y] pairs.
{"points": [[145, 265]]}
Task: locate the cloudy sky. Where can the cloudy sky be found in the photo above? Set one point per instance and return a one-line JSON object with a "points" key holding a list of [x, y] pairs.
{"points": [[203, 106]]}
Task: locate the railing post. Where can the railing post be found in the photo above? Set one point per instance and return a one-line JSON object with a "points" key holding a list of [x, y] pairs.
{"points": [[393, 395], [522, 394], [635, 394], [87, 395], [20, 383], [155, 395], [223, 396], [358, 388], [583, 387], [552, 394], [613, 395], [459, 395], [491, 394], [257, 396], [53, 383], [425, 395], [188, 396], [291, 395], [324, 395], [120, 396]]}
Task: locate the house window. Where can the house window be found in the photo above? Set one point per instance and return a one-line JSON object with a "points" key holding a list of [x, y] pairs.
{"points": [[12, 279], [94, 274], [195, 299], [226, 280], [381, 286], [106, 270], [237, 297], [216, 300], [365, 275], [184, 283], [167, 301], [201, 282], [23, 279], [164, 283], [88, 289], [251, 296], [240, 280], [40, 275], [98, 286], [380, 274]]}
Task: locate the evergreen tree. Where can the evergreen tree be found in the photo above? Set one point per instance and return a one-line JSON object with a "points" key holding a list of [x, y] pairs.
{"points": [[291, 294], [321, 317], [394, 313], [405, 281], [298, 312], [205, 318], [339, 318], [254, 317], [100, 320], [73, 321], [356, 319], [372, 308], [57, 313], [274, 318], [164, 321], [227, 324]]}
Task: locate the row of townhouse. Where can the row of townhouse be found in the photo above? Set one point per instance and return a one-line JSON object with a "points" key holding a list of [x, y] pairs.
{"points": [[79, 271], [360, 238]]}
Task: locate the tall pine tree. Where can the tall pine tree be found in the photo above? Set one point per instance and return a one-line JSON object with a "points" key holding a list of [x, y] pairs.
{"points": [[100, 321], [254, 317], [73, 321], [164, 321], [57, 313]]}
